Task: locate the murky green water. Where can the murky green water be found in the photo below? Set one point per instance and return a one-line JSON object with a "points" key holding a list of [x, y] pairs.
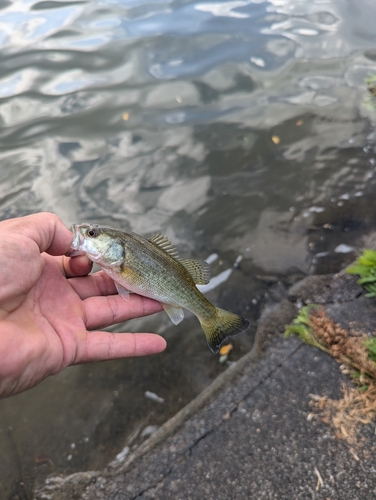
{"points": [[237, 128]]}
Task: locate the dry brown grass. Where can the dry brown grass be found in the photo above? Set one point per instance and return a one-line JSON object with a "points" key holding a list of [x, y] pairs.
{"points": [[346, 414], [358, 403]]}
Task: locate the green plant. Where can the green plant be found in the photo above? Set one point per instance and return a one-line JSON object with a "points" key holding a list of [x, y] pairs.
{"points": [[365, 267], [302, 326]]}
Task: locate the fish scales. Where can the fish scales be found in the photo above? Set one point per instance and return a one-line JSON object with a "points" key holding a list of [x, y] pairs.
{"points": [[149, 273], [152, 268]]}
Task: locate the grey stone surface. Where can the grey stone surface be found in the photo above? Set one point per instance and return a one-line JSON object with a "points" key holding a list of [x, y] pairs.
{"points": [[267, 449], [250, 434], [324, 289]]}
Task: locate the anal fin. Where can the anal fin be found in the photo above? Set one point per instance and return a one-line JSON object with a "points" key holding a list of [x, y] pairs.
{"points": [[176, 314]]}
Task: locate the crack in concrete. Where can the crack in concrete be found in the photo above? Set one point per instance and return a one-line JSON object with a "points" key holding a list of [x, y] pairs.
{"points": [[182, 458]]}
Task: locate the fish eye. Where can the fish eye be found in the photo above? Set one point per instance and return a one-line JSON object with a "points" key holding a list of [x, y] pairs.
{"points": [[93, 233]]}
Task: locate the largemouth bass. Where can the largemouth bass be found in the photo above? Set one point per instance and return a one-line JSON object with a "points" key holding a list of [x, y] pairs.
{"points": [[153, 268]]}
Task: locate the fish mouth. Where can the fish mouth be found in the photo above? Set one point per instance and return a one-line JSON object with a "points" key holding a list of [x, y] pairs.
{"points": [[76, 245]]}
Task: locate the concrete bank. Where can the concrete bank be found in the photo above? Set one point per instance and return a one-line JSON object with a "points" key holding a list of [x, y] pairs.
{"points": [[248, 435]]}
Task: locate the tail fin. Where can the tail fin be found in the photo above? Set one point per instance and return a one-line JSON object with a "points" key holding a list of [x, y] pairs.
{"points": [[222, 326]]}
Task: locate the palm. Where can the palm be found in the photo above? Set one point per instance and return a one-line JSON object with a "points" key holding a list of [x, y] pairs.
{"points": [[48, 322]]}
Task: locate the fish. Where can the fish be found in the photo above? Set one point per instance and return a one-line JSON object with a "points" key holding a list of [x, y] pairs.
{"points": [[153, 268]]}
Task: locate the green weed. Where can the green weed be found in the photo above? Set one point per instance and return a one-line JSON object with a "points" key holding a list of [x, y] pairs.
{"points": [[365, 267]]}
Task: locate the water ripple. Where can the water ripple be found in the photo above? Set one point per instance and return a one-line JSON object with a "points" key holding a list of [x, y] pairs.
{"points": [[223, 9], [21, 27], [18, 82]]}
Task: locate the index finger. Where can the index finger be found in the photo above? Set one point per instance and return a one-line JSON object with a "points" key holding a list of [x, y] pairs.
{"points": [[95, 284], [76, 266]]}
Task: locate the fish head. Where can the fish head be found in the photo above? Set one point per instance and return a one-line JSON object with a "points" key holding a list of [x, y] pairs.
{"points": [[98, 243]]}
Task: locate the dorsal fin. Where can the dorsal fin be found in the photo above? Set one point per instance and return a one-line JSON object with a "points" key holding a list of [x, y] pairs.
{"points": [[164, 244], [198, 269]]}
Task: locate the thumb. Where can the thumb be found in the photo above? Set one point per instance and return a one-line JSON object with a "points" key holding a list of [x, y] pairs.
{"points": [[46, 229]]}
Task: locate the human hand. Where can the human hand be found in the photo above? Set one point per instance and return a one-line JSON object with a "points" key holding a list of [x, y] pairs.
{"points": [[51, 308]]}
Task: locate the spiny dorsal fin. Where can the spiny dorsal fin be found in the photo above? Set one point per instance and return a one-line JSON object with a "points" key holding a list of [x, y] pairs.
{"points": [[198, 269], [164, 244]]}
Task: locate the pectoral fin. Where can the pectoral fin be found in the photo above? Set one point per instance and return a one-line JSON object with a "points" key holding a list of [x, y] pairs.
{"points": [[122, 291], [176, 314]]}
